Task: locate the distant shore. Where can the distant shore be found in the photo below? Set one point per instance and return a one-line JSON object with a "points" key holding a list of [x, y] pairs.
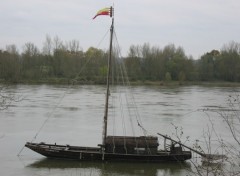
{"points": [[188, 83], [64, 81]]}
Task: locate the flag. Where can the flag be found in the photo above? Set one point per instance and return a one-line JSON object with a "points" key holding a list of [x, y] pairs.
{"points": [[105, 11]]}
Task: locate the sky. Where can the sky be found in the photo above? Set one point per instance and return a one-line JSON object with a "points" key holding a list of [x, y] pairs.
{"points": [[198, 26]]}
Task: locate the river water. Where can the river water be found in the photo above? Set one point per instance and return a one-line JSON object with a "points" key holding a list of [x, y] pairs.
{"points": [[55, 113]]}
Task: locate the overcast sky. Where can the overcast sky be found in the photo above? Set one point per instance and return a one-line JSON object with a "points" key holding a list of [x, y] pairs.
{"points": [[196, 25]]}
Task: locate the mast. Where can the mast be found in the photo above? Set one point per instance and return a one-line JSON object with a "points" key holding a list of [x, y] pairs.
{"points": [[108, 80]]}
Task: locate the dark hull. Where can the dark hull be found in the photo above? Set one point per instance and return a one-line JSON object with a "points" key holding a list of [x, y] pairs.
{"points": [[95, 154]]}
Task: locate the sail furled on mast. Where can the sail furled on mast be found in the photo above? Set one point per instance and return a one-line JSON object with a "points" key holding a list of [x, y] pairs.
{"points": [[105, 11]]}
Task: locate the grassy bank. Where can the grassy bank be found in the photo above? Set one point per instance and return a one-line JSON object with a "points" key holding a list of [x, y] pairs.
{"points": [[188, 83], [66, 81]]}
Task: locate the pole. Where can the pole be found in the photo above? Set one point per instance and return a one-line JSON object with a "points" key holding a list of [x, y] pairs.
{"points": [[166, 137], [108, 82]]}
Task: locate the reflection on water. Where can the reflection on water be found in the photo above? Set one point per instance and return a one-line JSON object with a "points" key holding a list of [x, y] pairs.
{"points": [[116, 168]]}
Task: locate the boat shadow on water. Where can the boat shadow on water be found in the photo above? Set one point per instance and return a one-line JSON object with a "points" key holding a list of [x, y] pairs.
{"points": [[121, 168]]}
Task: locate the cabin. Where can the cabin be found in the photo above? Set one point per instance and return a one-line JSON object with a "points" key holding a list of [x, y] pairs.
{"points": [[131, 144]]}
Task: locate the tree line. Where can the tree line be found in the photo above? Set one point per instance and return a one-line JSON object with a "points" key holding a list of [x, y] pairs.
{"points": [[67, 61], [171, 63]]}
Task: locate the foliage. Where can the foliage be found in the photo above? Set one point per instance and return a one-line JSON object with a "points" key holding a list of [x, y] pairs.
{"points": [[143, 63]]}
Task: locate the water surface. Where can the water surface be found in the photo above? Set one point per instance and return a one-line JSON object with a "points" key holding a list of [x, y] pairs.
{"points": [[74, 116]]}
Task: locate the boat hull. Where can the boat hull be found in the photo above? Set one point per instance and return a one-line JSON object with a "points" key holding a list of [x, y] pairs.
{"points": [[95, 154]]}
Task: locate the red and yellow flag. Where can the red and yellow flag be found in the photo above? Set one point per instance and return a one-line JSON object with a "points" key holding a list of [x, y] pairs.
{"points": [[105, 11]]}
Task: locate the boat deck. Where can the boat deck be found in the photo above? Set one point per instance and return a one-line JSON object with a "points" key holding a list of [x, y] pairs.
{"points": [[62, 151]]}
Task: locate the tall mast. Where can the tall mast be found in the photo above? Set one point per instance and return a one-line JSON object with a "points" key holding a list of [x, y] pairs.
{"points": [[108, 80]]}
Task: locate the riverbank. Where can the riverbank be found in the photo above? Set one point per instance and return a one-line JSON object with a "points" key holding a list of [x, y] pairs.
{"points": [[188, 83], [64, 81]]}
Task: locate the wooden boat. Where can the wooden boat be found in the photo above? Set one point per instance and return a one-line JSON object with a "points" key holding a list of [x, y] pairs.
{"points": [[114, 148]]}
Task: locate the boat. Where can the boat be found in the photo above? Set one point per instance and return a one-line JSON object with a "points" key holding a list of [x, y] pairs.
{"points": [[115, 148]]}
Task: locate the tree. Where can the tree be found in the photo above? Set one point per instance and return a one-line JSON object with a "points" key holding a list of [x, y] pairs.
{"points": [[10, 64], [133, 66], [73, 46], [181, 77], [57, 44], [30, 50], [47, 46], [229, 63], [30, 62], [168, 77], [227, 150], [206, 67], [12, 49]]}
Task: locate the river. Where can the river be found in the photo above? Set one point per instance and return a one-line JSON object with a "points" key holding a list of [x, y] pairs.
{"points": [[57, 113]]}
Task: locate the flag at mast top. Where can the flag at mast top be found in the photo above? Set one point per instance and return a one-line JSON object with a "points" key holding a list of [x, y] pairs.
{"points": [[105, 11]]}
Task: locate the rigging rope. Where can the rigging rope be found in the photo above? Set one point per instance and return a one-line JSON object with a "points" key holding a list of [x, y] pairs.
{"points": [[121, 73], [132, 103], [89, 59], [45, 121], [65, 92], [124, 72], [125, 80]]}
